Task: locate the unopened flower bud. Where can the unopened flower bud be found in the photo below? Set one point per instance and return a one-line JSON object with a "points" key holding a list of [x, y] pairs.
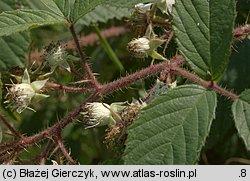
{"points": [[139, 48], [98, 114], [19, 96], [57, 56], [144, 47]]}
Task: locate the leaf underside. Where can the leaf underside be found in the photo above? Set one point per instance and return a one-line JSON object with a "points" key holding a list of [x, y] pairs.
{"points": [[173, 128]]}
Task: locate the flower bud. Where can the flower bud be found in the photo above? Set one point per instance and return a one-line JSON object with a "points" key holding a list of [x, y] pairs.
{"points": [[142, 47], [98, 114], [19, 96], [57, 56], [139, 47]]}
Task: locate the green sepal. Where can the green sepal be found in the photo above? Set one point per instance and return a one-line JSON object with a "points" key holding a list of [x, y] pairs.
{"points": [[37, 85], [26, 77]]}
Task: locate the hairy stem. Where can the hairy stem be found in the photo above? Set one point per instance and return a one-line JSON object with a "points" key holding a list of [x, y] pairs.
{"points": [[206, 84], [83, 57], [152, 70], [13, 130], [67, 88], [45, 153], [64, 150]]}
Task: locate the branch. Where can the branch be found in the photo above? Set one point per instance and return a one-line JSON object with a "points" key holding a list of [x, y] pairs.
{"points": [[66, 88], [45, 153], [83, 57], [152, 70], [58, 139], [207, 84], [13, 131]]}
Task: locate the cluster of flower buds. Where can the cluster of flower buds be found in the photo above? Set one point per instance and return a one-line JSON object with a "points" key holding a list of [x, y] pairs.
{"points": [[21, 95]]}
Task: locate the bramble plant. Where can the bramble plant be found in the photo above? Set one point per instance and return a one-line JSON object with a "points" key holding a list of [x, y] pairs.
{"points": [[173, 89]]}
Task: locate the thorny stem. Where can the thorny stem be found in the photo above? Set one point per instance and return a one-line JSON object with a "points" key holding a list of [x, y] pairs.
{"points": [[13, 130], [56, 128], [83, 57], [152, 70], [172, 65], [45, 153], [58, 139], [207, 84], [54, 151], [67, 88]]}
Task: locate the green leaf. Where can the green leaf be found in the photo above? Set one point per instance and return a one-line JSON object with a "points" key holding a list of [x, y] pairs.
{"points": [[241, 113], [13, 50], [222, 126], [103, 13], [203, 32], [128, 4], [15, 47], [173, 128], [7, 5], [21, 20], [81, 8], [59, 7]]}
